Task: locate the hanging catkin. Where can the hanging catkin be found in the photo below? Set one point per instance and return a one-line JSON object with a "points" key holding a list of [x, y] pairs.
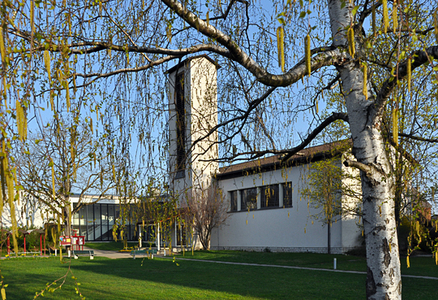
{"points": [[32, 17], [21, 121], [280, 47], [308, 54], [373, 22], [53, 177], [67, 94], [351, 44], [409, 71], [2, 46], [47, 61], [11, 196], [435, 22], [365, 79], [395, 125], [394, 17], [385, 16]]}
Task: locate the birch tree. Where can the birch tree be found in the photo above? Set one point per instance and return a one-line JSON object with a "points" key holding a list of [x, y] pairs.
{"points": [[278, 60], [59, 162]]}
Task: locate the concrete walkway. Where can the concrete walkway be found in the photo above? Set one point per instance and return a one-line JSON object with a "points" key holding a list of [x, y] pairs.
{"points": [[110, 254], [294, 267]]}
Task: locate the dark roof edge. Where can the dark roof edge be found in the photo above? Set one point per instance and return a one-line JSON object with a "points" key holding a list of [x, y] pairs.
{"points": [[293, 161], [182, 63]]}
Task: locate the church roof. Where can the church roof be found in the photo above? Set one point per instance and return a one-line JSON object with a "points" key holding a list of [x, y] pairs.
{"points": [[304, 156]]}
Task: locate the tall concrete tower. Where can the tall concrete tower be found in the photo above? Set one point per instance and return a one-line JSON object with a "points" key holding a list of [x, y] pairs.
{"points": [[192, 88]]}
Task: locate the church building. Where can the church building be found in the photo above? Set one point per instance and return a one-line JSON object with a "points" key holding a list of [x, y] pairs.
{"points": [[264, 207]]}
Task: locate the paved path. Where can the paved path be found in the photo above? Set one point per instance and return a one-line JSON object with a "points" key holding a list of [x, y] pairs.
{"points": [[294, 267], [116, 254], [110, 254]]}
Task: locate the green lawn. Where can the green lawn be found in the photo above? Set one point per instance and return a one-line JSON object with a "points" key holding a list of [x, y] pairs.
{"points": [[103, 278], [422, 266]]}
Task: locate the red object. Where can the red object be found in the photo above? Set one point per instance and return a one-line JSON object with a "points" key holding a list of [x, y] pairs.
{"points": [[41, 232], [78, 242], [81, 242], [9, 244], [75, 241], [65, 240]]}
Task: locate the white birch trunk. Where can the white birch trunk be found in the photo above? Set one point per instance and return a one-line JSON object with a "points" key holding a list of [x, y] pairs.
{"points": [[383, 262]]}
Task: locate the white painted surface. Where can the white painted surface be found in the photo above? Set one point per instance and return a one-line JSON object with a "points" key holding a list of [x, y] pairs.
{"points": [[200, 90], [281, 229]]}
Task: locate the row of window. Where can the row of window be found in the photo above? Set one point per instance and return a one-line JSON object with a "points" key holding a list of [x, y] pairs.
{"points": [[270, 196]]}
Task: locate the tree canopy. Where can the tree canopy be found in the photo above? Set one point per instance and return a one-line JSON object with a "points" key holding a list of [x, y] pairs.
{"points": [[371, 64]]}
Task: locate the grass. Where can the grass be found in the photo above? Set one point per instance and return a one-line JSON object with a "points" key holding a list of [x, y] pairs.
{"points": [[311, 260], [421, 266], [103, 278]]}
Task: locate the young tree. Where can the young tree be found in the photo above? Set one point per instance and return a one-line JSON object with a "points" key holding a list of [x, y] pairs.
{"points": [[206, 211], [61, 161], [327, 185], [113, 50]]}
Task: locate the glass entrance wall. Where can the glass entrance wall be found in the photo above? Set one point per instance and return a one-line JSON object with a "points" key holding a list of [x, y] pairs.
{"points": [[95, 222]]}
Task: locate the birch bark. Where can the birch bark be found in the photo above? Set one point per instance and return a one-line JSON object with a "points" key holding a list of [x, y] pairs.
{"points": [[383, 261]]}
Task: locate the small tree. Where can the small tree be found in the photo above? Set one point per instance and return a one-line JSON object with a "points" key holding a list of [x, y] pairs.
{"points": [[325, 189], [62, 160], [207, 210]]}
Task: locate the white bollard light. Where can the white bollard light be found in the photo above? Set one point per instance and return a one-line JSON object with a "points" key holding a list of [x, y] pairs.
{"points": [[334, 263]]}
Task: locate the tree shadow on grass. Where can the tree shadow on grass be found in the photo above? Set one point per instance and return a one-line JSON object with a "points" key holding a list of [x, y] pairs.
{"points": [[104, 278], [197, 280]]}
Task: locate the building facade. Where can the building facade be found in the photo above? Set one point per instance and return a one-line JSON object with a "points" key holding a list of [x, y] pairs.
{"points": [[265, 209]]}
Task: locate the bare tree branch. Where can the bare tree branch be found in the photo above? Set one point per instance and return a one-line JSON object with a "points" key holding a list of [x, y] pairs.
{"points": [[417, 138], [419, 58], [242, 118], [315, 132], [355, 164], [329, 56]]}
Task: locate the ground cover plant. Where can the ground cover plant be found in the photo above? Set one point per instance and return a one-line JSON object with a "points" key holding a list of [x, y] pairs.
{"points": [[169, 278]]}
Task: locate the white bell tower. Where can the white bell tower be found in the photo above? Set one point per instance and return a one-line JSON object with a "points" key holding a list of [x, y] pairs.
{"points": [[192, 90]]}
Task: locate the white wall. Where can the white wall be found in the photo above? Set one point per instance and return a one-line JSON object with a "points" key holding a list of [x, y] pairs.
{"points": [[200, 90], [280, 229], [28, 212]]}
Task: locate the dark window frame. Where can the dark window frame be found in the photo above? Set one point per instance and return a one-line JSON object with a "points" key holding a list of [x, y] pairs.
{"points": [[233, 200], [249, 199], [270, 196], [180, 125], [287, 194]]}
